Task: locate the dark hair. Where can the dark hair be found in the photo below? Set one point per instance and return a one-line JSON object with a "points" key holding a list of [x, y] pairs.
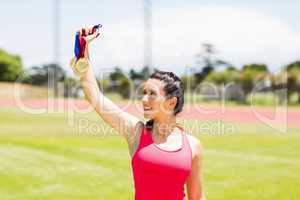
{"points": [[173, 88]]}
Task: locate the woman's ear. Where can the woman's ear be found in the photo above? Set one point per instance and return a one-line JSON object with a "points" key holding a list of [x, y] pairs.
{"points": [[173, 102]]}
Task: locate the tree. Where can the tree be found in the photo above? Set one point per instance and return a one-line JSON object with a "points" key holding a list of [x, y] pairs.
{"points": [[226, 83], [256, 67], [120, 83], [288, 79], [252, 74], [188, 82], [134, 75], [10, 66], [48, 74], [247, 80], [117, 74], [207, 60], [293, 79], [231, 68], [293, 65], [71, 87], [141, 75], [39, 75], [222, 77], [124, 87]]}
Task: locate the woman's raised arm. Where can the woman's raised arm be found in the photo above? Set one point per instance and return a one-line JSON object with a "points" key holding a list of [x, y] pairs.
{"points": [[124, 123]]}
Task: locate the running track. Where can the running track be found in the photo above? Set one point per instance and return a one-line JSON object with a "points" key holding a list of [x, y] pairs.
{"points": [[238, 114]]}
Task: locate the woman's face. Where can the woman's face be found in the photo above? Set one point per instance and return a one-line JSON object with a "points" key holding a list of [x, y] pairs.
{"points": [[154, 100]]}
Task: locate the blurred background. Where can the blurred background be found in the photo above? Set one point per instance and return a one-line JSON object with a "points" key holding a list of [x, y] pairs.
{"points": [[240, 65]]}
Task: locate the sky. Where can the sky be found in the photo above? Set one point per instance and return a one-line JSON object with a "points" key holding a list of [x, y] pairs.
{"points": [[242, 31]]}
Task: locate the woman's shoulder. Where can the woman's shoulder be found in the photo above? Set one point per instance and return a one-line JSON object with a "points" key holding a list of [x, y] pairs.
{"points": [[195, 144]]}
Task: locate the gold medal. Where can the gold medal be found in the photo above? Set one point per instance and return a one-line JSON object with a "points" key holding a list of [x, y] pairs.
{"points": [[72, 62], [80, 66]]}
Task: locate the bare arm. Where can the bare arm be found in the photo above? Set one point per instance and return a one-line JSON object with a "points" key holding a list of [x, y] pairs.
{"points": [[195, 180], [124, 123]]}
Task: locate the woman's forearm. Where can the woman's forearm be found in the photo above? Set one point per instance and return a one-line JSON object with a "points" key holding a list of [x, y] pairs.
{"points": [[123, 122], [104, 106], [90, 88]]}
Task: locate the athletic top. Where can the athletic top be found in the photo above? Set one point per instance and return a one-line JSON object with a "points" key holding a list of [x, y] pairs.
{"points": [[160, 174]]}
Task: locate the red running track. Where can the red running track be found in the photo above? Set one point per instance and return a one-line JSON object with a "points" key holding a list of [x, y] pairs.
{"points": [[243, 114]]}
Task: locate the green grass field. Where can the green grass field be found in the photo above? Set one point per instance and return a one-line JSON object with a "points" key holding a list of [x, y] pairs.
{"points": [[44, 158]]}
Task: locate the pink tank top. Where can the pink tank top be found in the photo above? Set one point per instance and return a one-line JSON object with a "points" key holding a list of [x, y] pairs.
{"points": [[160, 174]]}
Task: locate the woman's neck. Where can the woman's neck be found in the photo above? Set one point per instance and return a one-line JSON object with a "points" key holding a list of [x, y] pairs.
{"points": [[164, 127]]}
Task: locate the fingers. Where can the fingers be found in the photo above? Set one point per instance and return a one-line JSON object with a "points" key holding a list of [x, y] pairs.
{"points": [[88, 34], [93, 36], [85, 31]]}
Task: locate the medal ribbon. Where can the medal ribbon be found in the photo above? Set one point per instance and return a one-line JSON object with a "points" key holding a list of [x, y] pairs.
{"points": [[80, 41]]}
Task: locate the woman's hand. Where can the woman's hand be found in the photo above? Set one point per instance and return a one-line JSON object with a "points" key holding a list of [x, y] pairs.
{"points": [[80, 63], [88, 35]]}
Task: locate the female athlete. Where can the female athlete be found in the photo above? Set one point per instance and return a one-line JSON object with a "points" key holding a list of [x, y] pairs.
{"points": [[166, 161]]}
